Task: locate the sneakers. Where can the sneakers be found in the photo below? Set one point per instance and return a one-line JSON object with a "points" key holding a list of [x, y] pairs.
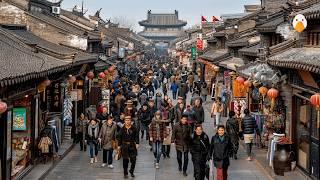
{"points": [[249, 159], [95, 159], [157, 166], [185, 174], [110, 166], [91, 160], [103, 165]]}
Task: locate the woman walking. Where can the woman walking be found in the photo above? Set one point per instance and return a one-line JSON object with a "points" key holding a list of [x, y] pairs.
{"points": [[220, 149], [157, 135], [92, 140], [106, 137], [216, 110], [200, 147]]}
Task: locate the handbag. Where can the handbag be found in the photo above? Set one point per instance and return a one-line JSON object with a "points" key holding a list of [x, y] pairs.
{"points": [[118, 155]]}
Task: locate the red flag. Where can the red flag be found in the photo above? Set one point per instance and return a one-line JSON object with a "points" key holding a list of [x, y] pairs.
{"points": [[203, 19], [214, 19]]}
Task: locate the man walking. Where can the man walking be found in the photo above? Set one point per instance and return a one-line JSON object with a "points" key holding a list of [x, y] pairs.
{"points": [[181, 138], [129, 142], [248, 125], [232, 128]]}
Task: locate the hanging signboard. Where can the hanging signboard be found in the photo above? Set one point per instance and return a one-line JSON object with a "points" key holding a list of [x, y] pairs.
{"points": [[19, 119], [199, 44], [193, 53]]}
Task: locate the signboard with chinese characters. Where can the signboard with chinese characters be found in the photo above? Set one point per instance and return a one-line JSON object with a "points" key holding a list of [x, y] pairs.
{"points": [[19, 119], [199, 44], [56, 97], [193, 53]]}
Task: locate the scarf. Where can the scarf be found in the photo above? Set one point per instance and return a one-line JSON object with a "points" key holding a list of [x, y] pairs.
{"points": [[96, 130]]}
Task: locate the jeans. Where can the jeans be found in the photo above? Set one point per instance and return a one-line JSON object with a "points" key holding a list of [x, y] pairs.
{"points": [[174, 95], [249, 149], [156, 147], [93, 149], [222, 173], [166, 150], [107, 156], [186, 159]]}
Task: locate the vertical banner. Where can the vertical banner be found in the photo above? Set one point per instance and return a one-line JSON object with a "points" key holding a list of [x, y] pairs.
{"points": [[199, 44], [193, 53]]}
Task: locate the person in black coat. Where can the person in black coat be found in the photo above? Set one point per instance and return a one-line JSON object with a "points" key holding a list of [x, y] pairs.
{"points": [[232, 128], [249, 126], [128, 141], [198, 111], [199, 148], [220, 150], [144, 120]]}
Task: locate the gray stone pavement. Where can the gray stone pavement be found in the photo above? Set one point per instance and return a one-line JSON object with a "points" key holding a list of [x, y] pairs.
{"points": [[76, 164]]}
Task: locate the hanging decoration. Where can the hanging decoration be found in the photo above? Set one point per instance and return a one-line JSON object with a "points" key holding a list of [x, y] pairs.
{"points": [[315, 101], [102, 75], [263, 91], [273, 94]]}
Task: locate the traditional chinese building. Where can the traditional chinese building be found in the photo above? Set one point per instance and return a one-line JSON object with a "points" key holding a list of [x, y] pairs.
{"points": [[162, 27]]}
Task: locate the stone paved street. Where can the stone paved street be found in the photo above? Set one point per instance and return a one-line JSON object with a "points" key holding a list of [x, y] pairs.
{"points": [[76, 164]]}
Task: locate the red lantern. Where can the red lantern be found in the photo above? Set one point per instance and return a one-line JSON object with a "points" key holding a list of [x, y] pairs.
{"points": [[90, 75], [106, 71], [3, 107], [102, 75], [111, 69], [240, 79], [273, 93], [315, 100]]}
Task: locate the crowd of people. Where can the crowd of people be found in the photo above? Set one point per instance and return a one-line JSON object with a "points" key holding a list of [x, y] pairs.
{"points": [[140, 108]]}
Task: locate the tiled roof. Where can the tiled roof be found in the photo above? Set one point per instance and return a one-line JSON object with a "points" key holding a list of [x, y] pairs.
{"points": [[250, 51], [311, 12], [162, 20], [270, 25], [232, 63], [19, 63], [60, 51], [307, 59], [215, 55], [65, 25]]}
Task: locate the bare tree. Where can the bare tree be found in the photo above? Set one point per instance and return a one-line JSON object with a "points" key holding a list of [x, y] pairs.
{"points": [[124, 22]]}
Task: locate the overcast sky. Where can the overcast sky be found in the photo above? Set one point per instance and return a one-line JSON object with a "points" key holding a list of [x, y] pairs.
{"points": [[136, 10]]}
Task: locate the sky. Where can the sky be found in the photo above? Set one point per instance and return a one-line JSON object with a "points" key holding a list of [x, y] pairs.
{"points": [[132, 11]]}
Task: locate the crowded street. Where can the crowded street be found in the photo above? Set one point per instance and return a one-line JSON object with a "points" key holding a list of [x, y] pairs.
{"points": [[159, 90]]}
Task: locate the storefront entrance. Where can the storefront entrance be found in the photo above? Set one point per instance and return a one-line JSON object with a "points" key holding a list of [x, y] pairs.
{"points": [[307, 137]]}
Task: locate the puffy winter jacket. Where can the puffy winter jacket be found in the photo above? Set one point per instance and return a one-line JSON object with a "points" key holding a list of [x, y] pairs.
{"points": [[248, 125]]}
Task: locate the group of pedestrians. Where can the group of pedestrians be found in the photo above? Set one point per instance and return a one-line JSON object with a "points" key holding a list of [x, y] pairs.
{"points": [[162, 124]]}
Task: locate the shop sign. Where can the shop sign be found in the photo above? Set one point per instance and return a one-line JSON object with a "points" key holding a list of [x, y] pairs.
{"points": [[193, 52], [56, 93], [199, 44], [19, 119]]}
